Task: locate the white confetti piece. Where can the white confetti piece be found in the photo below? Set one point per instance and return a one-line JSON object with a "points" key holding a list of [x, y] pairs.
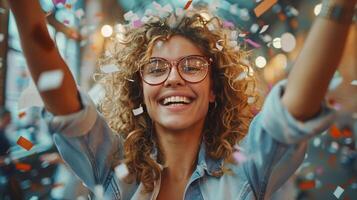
{"points": [[218, 46], [354, 82], [99, 192], [121, 171], [1, 37], [254, 28], [29, 98], [110, 68], [50, 80], [138, 111], [242, 76], [250, 100], [264, 28], [338, 192]]}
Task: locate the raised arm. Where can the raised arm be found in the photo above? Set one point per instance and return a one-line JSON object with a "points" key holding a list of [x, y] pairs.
{"points": [[41, 55], [309, 79]]}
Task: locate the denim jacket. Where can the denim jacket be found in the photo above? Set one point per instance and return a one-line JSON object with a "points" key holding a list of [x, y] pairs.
{"points": [[275, 146]]}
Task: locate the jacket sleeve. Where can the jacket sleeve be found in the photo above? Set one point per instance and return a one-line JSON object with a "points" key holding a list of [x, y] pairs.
{"points": [[277, 142], [86, 143]]}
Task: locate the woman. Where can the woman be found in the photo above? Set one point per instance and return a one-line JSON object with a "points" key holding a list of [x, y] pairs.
{"points": [[196, 109]]}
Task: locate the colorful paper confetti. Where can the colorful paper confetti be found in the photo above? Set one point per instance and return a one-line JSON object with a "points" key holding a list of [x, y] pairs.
{"points": [[23, 167], [50, 80], [251, 42], [188, 4], [338, 192], [264, 6], [121, 171], [24, 143], [307, 185]]}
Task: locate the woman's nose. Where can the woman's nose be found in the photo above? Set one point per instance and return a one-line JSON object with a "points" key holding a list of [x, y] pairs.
{"points": [[174, 79]]}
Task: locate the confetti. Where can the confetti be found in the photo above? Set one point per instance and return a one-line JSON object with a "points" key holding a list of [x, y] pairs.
{"points": [[239, 157], [23, 167], [24, 143], [121, 171], [264, 6], [110, 68], [338, 192], [188, 4], [2, 37], [137, 23], [22, 114], [59, 2], [50, 80], [138, 111], [41, 36], [228, 24], [307, 185], [99, 192], [264, 28], [354, 82], [251, 42], [335, 132]]}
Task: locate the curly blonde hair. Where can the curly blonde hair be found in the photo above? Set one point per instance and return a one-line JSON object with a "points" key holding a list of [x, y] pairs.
{"points": [[232, 77]]}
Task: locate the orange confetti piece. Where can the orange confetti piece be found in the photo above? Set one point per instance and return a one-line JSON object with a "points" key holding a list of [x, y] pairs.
{"points": [[335, 132], [347, 133], [56, 185], [22, 114], [264, 6], [307, 185], [24, 143], [187, 4], [68, 6], [23, 167]]}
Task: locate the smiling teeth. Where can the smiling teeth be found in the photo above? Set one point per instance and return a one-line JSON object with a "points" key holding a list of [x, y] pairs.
{"points": [[176, 99]]}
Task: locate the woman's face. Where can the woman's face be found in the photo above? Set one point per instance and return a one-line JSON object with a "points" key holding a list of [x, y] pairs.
{"points": [[178, 117]]}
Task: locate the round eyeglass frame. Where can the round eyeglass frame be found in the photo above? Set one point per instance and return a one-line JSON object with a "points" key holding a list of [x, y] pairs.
{"points": [[175, 63]]}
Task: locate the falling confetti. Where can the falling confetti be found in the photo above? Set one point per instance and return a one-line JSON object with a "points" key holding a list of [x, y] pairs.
{"points": [[41, 36], [188, 4], [264, 6], [138, 111], [24, 143], [264, 28], [22, 114], [354, 82], [307, 185], [121, 171], [110, 68], [50, 80], [1, 37], [251, 42], [23, 167], [338, 192], [239, 157]]}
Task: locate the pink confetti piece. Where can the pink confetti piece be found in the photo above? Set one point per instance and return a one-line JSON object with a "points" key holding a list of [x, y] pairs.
{"points": [[228, 24], [59, 2], [137, 23], [239, 157], [66, 21], [251, 42]]}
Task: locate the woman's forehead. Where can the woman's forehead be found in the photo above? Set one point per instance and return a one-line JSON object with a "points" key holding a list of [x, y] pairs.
{"points": [[175, 47]]}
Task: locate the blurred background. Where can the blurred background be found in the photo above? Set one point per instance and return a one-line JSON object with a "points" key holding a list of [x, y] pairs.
{"points": [[83, 28]]}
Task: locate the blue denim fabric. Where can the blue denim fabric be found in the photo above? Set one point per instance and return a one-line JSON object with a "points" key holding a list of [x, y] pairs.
{"points": [[275, 146]]}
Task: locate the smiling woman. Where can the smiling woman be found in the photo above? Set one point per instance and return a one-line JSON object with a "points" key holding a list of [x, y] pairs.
{"points": [[214, 89], [179, 109]]}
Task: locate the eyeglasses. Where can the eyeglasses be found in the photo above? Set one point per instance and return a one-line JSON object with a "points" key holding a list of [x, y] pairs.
{"points": [[193, 69]]}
